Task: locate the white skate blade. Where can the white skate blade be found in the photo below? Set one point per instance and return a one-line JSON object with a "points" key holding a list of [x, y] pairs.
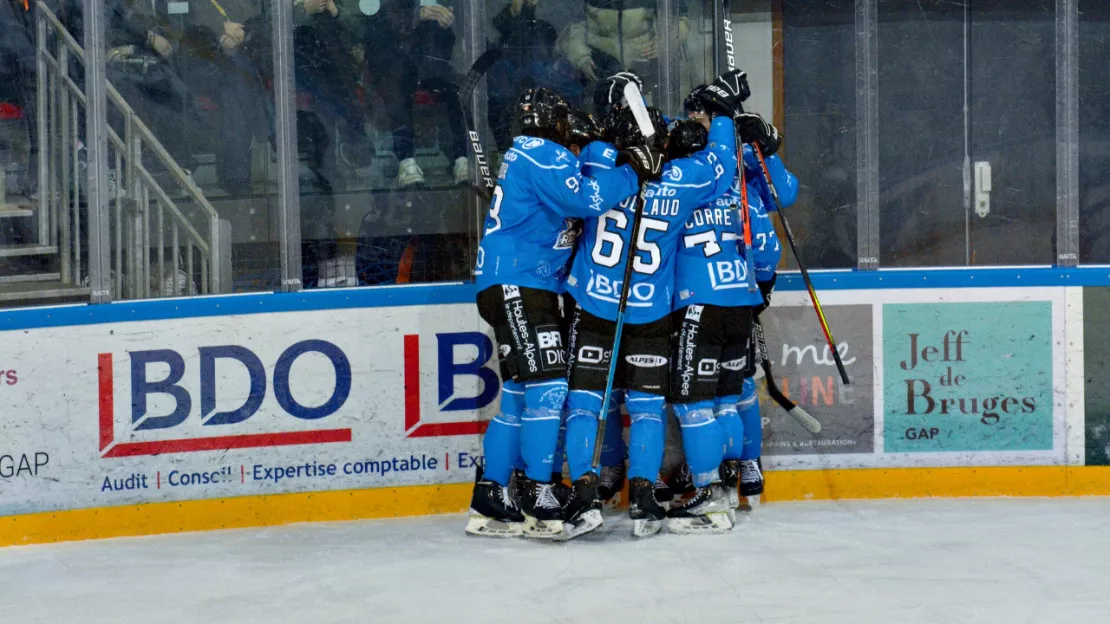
{"points": [[646, 528], [708, 524], [542, 529], [587, 522], [480, 525]]}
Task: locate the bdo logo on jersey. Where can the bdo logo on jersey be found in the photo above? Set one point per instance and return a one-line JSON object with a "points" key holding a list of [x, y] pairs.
{"points": [[465, 382], [241, 404]]}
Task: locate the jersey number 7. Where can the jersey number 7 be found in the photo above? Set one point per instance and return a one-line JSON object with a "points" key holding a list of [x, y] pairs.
{"points": [[609, 245]]}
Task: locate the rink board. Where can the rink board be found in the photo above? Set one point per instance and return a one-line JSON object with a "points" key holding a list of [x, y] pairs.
{"points": [[266, 409]]}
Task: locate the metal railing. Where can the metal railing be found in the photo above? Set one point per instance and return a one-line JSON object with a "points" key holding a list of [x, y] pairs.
{"points": [[150, 232]]}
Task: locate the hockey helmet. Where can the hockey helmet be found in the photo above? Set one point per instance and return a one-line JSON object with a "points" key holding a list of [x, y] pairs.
{"points": [[684, 137]]}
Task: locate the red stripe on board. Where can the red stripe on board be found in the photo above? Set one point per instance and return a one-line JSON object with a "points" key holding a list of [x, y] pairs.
{"points": [[259, 440], [107, 400], [412, 380], [428, 430]]}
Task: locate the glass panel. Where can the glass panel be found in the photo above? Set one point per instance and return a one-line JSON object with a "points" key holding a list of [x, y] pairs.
{"points": [[1094, 132], [936, 60], [43, 219], [382, 141], [819, 124], [921, 133], [1013, 130]]}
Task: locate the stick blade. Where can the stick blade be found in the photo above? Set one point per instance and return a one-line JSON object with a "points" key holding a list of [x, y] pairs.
{"points": [[803, 418], [635, 101]]}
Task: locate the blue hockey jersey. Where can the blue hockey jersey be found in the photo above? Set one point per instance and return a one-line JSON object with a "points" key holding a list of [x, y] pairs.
{"points": [[529, 230], [785, 182], [712, 266], [598, 271]]}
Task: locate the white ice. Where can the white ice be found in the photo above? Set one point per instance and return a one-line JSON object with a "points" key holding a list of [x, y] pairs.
{"points": [[931, 561]]}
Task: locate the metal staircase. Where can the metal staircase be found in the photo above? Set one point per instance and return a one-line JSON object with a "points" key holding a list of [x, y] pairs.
{"points": [[166, 238]]}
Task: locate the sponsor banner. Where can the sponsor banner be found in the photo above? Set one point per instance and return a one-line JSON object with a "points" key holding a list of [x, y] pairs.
{"points": [[128, 413], [968, 377], [1096, 360], [804, 368]]}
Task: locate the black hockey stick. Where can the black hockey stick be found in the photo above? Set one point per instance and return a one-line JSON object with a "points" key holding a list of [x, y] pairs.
{"points": [[466, 90], [635, 101], [802, 267], [804, 419]]}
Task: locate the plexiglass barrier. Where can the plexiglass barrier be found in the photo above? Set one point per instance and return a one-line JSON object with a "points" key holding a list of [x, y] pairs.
{"points": [[256, 145]]}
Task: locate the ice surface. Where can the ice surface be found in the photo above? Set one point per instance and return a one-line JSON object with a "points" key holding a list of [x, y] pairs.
{"points": [[934, 561]]}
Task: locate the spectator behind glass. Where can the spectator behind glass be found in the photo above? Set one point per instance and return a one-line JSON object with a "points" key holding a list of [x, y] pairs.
{"points": [[526, 58], [617, 35], [327, 53], [408, 47], [223, 45], [138, 65]]}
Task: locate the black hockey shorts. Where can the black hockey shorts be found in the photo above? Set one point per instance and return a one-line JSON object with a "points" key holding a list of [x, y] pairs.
{"points": [[529, 329], [644, 354], [711, 352]]}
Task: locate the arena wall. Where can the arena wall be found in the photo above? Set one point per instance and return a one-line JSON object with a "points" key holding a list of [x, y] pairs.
{"points": [[195, 414]]}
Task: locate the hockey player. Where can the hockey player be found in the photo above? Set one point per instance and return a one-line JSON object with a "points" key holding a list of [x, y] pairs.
{"points": [[757, 132], [740, 414], [521, 266], [595, 284]]}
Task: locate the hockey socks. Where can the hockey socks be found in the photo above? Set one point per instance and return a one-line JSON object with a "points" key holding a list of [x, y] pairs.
{"points": [[732, 426], [645, 446], [702, 439], [748, 408], [501, 445], [539, 433]]}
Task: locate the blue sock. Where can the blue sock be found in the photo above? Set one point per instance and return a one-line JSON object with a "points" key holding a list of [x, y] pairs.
{"points": [[583, 407], [645, 437], [703, 440], [748, 408], [732, 425], [613, 450], [501, 446], [539, 435]]}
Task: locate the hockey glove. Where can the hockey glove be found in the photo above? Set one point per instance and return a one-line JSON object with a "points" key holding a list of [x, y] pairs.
{"points": [[755, 129], [611, 90], [645, 160], [765, 288], [726, 94]]}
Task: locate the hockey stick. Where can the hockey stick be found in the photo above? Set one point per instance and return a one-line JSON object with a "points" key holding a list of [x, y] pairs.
{"points": [[804, 419], [745, 216], [635, 101], [466, 90], [802, 268]]}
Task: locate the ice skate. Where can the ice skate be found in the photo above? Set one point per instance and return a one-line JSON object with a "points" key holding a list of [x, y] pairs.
{"points": [[647, 515], [610, 485], [751, 477], [730, 480], [561, 490], [492, 511], [682, 484], [543, 516], [663, 492], [706, 512], [583, 511]]}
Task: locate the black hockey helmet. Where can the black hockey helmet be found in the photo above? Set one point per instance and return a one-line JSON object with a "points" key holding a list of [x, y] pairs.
{"points": [[684, 137], [625, 132], [693, 102], [582, 128], [542, 112]]}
